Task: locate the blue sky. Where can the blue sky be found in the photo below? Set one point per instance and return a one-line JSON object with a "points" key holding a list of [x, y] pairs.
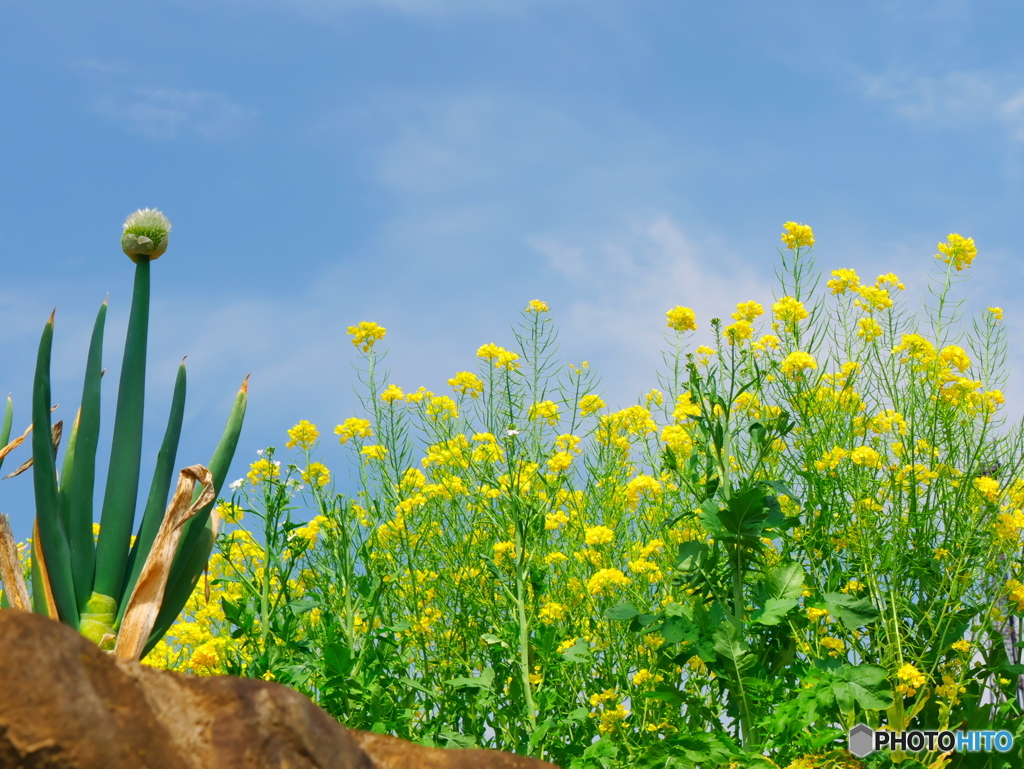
{"points": [[433, 165]]}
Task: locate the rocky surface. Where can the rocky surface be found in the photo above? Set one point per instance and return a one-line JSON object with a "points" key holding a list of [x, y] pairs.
{"points": [[65, 704]]}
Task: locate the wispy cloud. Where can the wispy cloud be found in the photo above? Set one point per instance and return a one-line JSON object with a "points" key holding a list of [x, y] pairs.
{"points": [[167, 113], [963, 99]]}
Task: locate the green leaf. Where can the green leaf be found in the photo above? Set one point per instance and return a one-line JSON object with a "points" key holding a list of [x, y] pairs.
{"points": [[678, 629], [782, 489], [690, 553], [785, 581], [159, 491], [773, 611], [853, 612], [118, 515], [484, 681], [867, 685], [5, 429], [53, 538], [197, 542], [83, 487], [578, 652], [622, 611]]}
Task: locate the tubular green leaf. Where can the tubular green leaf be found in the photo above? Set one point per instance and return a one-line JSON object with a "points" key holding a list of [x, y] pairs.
{"points": [[118, 516], [53, 539], [64, 481], [80, 536], [5, 429], [198, 538], [156, 505]]}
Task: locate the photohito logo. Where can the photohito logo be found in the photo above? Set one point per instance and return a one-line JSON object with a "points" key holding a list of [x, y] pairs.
{"points": [[863, 740]]}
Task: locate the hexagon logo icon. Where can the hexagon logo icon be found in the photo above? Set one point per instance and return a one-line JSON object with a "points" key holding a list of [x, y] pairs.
{"points": [[862, 740]]}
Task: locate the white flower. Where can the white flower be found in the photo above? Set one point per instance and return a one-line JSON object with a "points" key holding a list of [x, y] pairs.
{"points": [[512, 432], [259, 452], [235, 485], [145, 236]]}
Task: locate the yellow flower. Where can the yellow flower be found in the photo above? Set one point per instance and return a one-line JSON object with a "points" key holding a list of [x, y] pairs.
{"points": [[917, 348], [546, 410], [789, 310], [467, 382], [645, 677], [912, 679], [796, 362], [844, 280], [814, 614], [353, 428], [502, 358], [1015, 593], [228, 513], [392, 393], [739, 331], [957, 251], [748, 311], [705, 352], [366, 334], [955, 355], [263, 470], [536, 305], [682, 319], [551, 612], [303, 435], [599, 535], [873, 298], [834, 645], [797, 235], [316, 474], [605, 579], [589, 404], [989, 487], [865, 457], [962, 646], [890, 279], [374, 452], [869, 328], [997, 313]]}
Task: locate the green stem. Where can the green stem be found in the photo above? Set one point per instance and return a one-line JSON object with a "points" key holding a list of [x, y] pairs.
{"points": [[118, 516]]}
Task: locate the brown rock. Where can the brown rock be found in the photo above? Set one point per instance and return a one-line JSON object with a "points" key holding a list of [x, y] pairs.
{"points": [[65, 704]]}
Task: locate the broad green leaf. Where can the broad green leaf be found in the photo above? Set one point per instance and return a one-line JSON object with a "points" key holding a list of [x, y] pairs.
{"points": [[852, 611], [622, 611], [773, 611], [868, 685], [785, 581]]}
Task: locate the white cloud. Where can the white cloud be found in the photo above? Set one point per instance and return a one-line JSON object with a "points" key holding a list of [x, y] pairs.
{"points": [[624, 285], [166, 113], [964, 99]]}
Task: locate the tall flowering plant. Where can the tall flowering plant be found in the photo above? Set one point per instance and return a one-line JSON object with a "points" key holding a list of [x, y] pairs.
{"points": [[122, 592], [814, 522]]}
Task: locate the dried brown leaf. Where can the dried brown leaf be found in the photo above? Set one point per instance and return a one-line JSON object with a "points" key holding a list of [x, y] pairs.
{"points": [[10, 568], [148, 595]]}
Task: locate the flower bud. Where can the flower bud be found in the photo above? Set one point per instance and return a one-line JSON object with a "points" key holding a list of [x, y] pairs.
{"points": [[145, 235]]}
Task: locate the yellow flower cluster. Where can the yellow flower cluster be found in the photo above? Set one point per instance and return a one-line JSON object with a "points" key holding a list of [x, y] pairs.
{"points": [[467, 382], [682, 319], [366, 334], [797, 235], [957, 251], [502, 358], [796, 363], [789, 310], [911, 679], [303, 435], [605, 580]]}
